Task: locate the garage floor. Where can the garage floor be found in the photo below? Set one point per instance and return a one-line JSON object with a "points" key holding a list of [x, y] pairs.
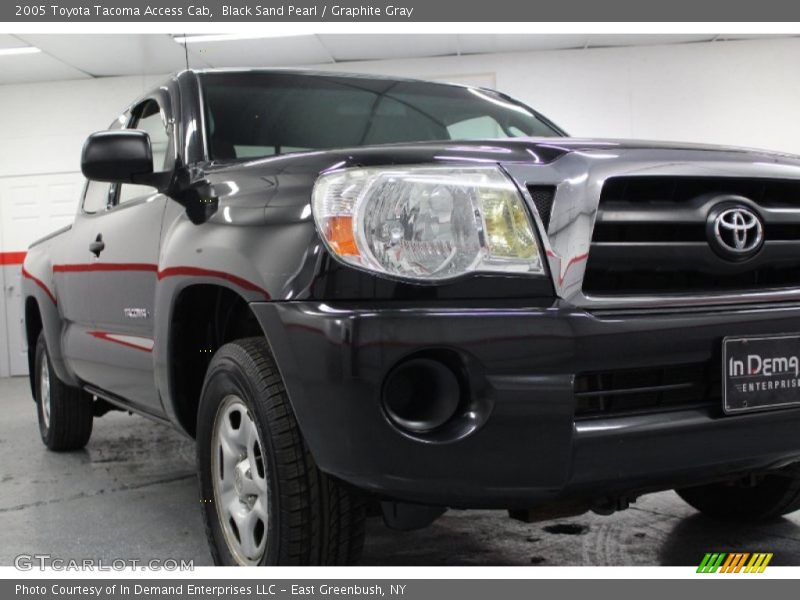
{"points": [[132, 494]]}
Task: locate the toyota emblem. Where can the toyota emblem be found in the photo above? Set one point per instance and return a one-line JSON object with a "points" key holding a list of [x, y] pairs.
{"points": [[736, 232]]}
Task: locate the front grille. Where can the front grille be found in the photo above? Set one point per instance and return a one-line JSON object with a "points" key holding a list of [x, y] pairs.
{"points": [[654, 389], [650, 236], [542, 196]]}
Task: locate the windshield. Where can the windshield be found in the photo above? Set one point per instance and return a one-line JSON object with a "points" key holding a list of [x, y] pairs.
{"points": [[264, 114]]}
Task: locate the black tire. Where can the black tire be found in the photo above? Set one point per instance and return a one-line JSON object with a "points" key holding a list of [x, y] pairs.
{"points": [[312, 518], [766, 498], [68, 425]]}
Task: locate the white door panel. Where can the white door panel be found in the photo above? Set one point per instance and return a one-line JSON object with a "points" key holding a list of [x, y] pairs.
{"points": [[4, 364], [16, 346], [35, 205], [32, 206]]}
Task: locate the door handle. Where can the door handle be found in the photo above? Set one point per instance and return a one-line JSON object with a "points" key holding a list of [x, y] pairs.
{"points": [[97, 246]]}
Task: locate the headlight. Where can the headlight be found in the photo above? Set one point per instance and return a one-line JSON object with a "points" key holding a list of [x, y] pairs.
{"points": [[426, 223]]}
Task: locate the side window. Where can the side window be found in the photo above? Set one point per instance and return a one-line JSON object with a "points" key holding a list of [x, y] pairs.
{"points": [[149, 119], [98, 195]]}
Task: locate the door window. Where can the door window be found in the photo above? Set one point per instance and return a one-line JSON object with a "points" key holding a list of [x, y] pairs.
{"points": [[149, 118], [98, 195]]}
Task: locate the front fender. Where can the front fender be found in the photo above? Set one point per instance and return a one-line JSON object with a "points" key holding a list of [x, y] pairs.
{"points": [[240, 249]]}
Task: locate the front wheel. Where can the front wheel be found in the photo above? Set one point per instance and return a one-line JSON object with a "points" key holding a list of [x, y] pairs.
{"points": [[755, 499], [264, 500]]}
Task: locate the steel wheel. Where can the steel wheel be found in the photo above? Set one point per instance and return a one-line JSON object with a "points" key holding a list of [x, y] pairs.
{"points": [[44, 387], [239, 476]]}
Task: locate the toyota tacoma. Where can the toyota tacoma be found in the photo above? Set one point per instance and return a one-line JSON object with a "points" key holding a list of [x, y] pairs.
{"points": [[376, 296]]}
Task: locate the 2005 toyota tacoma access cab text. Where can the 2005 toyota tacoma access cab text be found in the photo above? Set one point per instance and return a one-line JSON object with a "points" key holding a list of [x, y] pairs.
{"points": [[364, 295]]}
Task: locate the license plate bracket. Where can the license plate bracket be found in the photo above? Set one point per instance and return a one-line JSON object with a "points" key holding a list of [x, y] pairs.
{"points": [[760, 373]]}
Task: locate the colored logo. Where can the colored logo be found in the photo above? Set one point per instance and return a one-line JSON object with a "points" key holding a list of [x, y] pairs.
{"points": [[736, 562]]}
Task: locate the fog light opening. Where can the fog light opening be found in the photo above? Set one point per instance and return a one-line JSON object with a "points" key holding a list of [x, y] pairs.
{"points": [[421, 395]]}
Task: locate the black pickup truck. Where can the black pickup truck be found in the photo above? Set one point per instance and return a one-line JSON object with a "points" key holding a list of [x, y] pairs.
{"points": [[364, 295]]}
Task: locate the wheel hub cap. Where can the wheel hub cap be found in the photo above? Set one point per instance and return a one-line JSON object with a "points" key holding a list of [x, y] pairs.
{"points": [[243, 480], [239, 478]]}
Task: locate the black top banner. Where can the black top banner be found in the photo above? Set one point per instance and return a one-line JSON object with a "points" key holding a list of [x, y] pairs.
{"points": [[274, 11]]}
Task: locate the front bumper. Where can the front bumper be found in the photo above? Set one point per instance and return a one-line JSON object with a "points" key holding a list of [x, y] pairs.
{"points": [[522, 361]]}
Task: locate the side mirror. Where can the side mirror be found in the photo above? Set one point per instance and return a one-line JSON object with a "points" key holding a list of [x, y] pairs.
{"points": [[117, 156]]}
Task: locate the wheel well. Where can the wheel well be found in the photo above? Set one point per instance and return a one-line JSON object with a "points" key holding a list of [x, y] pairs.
{"points": [[33, 326], [204, 318]]}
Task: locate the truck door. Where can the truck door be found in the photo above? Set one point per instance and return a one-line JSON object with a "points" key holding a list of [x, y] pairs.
{"points": [[126, 240], [72, 261]]}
